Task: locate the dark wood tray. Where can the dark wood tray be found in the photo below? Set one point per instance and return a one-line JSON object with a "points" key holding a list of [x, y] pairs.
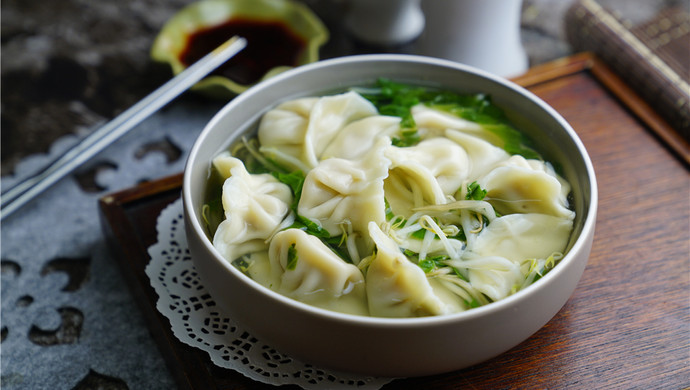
{"points": [[628, 322]]}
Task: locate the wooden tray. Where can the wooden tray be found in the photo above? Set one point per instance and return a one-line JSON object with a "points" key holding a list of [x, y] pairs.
{"points": [[628, 322]]}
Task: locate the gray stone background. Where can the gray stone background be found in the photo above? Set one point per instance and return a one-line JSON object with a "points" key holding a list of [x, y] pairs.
{"points": [[68, 321]]}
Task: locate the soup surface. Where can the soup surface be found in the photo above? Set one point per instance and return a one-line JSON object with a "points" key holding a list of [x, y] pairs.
{"points": [[389, 201]]}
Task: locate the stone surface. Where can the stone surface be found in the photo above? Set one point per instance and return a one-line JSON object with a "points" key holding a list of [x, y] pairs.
{"points": [[69, 65]]}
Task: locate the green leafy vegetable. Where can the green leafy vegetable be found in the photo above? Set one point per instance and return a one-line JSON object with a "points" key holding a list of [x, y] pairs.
{"points": [[242, 265], [473, 303], [309, 226], [419, 234], [460, 235], [212, 211], [295, 181], [334, 243], [212, 214], [492, 119], [292, 257], [427, 265], [408, 137], [475, 192], [397, 99], [432, 263], [548, 266]]}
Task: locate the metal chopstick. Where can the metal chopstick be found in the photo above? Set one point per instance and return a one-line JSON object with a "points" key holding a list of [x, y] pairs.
{"points": [[23, 192]]}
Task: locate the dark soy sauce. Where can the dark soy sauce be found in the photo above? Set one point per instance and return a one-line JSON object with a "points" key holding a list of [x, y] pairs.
{"points": [[269, 44]]}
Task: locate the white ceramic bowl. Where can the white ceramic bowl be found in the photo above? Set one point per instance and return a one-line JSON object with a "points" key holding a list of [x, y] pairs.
{"points": [[381, 346]]}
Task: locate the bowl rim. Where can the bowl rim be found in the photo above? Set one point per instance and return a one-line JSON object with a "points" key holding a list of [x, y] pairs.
{"points": [[500, 305]]}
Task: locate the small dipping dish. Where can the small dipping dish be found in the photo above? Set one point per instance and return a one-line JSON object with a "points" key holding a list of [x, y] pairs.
{"points": [[281, 34]]}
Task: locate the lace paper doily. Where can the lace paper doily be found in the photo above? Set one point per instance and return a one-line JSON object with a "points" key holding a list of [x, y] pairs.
{"points": [[197, 321]]}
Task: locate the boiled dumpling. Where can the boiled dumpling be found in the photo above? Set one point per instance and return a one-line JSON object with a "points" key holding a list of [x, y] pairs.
{"points": [[339, 192], [434, 123], [445, 161], [482, 155], [526, 186], [254, 207], [305, 269], [306, 138], [395, 286], [282, 131], [508, 241], [425, 174], [407, 189], [523, 236], [357, 138], [329, 116], [496, 282], [539, 166], [491, 275]]}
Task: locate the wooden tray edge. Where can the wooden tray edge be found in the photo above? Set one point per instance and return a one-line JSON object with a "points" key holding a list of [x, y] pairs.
{"points": [[614, 84]]}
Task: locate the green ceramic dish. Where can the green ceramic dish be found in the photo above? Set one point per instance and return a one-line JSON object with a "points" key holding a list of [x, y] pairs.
{"points": [[172, 39]]}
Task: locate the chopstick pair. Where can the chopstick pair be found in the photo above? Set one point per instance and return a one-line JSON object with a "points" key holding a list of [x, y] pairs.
{"points": [[21, 193]]}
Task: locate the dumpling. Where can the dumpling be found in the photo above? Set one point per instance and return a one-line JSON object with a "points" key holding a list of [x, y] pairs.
{"points": [[282, 130], [357, 138], [424, 174], [395, 286], [482, 155], [539, 166], [340, 191], [526, 186], [432, 122], [493, 276], [496, 282], [307, 270], [506, 242], [329, 116], [407, 189], [304, 139], [445, 161], [523, 236], [254, 207]]}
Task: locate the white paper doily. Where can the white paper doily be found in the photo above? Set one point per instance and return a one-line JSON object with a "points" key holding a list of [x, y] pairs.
{"points": [[197, 321]]}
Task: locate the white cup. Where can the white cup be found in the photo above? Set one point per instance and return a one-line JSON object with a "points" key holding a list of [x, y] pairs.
{"points": [[384, 22], [480, 33]]}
